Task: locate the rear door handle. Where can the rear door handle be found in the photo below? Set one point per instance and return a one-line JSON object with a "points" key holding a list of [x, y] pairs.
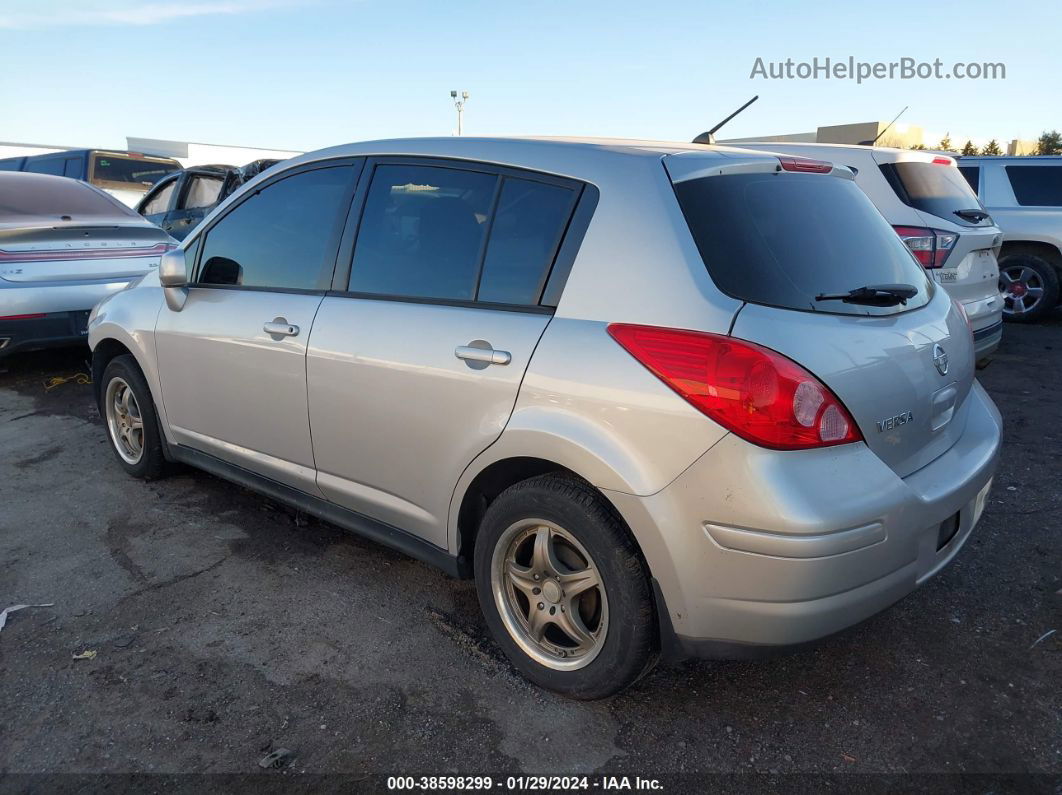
{"points": [[488, 355], [279, 327]]}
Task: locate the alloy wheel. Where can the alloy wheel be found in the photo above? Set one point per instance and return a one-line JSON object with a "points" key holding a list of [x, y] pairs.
{"points": [[1021, 288], [124, 421], [550, 594]]}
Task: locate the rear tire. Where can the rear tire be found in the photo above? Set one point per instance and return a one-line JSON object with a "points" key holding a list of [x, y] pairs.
{"points": [[129, 416], [564, 588], [1028, 285]]}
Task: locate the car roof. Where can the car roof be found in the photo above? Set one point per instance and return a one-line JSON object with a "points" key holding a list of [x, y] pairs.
{"points": [[582, 158], [879, 154], [1055, 160]]}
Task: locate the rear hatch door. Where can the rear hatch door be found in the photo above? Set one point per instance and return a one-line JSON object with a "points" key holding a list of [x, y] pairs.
{"points": [[936, 190], [778, 240]]}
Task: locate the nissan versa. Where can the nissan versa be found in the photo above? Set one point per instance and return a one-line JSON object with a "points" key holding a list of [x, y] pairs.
{"points": [[653, 397]]}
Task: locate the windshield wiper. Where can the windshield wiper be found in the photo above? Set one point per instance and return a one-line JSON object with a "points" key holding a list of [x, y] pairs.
{"points": [[972, 215], [874, 295]]}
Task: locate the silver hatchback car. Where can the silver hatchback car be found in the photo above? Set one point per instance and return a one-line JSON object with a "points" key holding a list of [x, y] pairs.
{"points": [[654, 397]]}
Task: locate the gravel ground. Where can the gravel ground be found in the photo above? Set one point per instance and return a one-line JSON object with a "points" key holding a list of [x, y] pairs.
{"points": [[226, 626]]}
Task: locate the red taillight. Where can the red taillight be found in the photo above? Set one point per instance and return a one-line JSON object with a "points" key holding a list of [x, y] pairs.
{"points": [[805, 165], [22, 317], [55, 255], [758, 394], [930, 247], [943, 161]]}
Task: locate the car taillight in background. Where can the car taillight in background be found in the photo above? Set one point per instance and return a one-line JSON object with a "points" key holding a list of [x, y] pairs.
{"points": [[58, 254], [930, 247], [756, 393]]}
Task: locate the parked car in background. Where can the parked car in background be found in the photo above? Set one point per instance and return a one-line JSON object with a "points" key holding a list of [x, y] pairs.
{"points": [[125, 175], [651, 396], [64, 245], [181, 200], [935, 213], [1024, 196]]}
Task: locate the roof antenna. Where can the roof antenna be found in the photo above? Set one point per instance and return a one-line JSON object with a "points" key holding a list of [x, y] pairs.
{"points": [[887, 126], [709, 137]]}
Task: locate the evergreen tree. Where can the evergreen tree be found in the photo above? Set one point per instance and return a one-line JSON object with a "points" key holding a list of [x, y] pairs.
{"points": [[992, 148], [945, 143], [968, 148], [1050, 143]]}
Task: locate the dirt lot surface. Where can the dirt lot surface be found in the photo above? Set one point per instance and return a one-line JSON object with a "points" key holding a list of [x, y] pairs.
{"points": [[225, 626]]}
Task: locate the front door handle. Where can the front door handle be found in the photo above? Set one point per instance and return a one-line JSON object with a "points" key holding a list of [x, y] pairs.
{"points": [[472, 353], [279, 327]]}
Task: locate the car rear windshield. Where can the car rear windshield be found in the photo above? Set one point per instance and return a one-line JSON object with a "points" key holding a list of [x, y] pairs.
{"points": [[935, 189], [44, 197], [130, 171], [781, 239]]}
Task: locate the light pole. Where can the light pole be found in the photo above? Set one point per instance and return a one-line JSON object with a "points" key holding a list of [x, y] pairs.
{"points": [[460, 105]]}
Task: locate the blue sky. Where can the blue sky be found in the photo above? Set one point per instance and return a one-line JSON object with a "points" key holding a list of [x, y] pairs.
{"points": [[302, 75]]}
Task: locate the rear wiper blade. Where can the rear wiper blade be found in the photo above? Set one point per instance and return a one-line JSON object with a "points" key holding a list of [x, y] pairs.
{"points": [[972, 215], [874, 295]]}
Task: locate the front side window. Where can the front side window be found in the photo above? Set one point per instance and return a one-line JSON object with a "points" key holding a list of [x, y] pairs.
{"points": [[202, 192], [1036, 186], [282, 237], [160, 201], [528, 225], [72, 167], [422, 231]]}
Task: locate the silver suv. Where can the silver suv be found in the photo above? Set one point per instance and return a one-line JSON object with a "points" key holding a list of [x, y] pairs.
{"points": [[654, 397], [1024, 195]]}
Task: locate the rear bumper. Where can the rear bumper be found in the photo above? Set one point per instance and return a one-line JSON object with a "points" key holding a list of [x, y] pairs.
{"points": [[987, 339], [49, 330], [46, 314], [756, 549]]}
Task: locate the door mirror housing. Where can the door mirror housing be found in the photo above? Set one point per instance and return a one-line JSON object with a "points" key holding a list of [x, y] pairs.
{"points": [[173, 271], [173, 276]]}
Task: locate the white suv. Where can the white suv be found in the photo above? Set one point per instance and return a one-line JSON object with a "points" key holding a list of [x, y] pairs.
{"points": [[932, 208], [1025, 194]]}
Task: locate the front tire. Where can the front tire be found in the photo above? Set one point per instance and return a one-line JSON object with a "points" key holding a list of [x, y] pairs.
{"points": [[564, 589], [129, 416]]}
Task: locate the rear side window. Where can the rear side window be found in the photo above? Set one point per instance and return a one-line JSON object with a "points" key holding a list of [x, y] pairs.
{"points": [[282, 237], [527, 229], [1036, 186], [972, 175], [202, 192], [934, 189], [781, 239], [47, 165], [422, 232]]}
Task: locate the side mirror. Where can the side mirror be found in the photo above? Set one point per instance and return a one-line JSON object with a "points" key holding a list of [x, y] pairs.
{"points": [[173, 276], [173, 272]]}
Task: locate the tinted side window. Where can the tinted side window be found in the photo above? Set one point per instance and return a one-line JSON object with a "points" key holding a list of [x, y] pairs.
{"points": [[421, 233], [972, 175], [528, 224], [73, 167], [48, 165], [1036, 186], [282, 237]]}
